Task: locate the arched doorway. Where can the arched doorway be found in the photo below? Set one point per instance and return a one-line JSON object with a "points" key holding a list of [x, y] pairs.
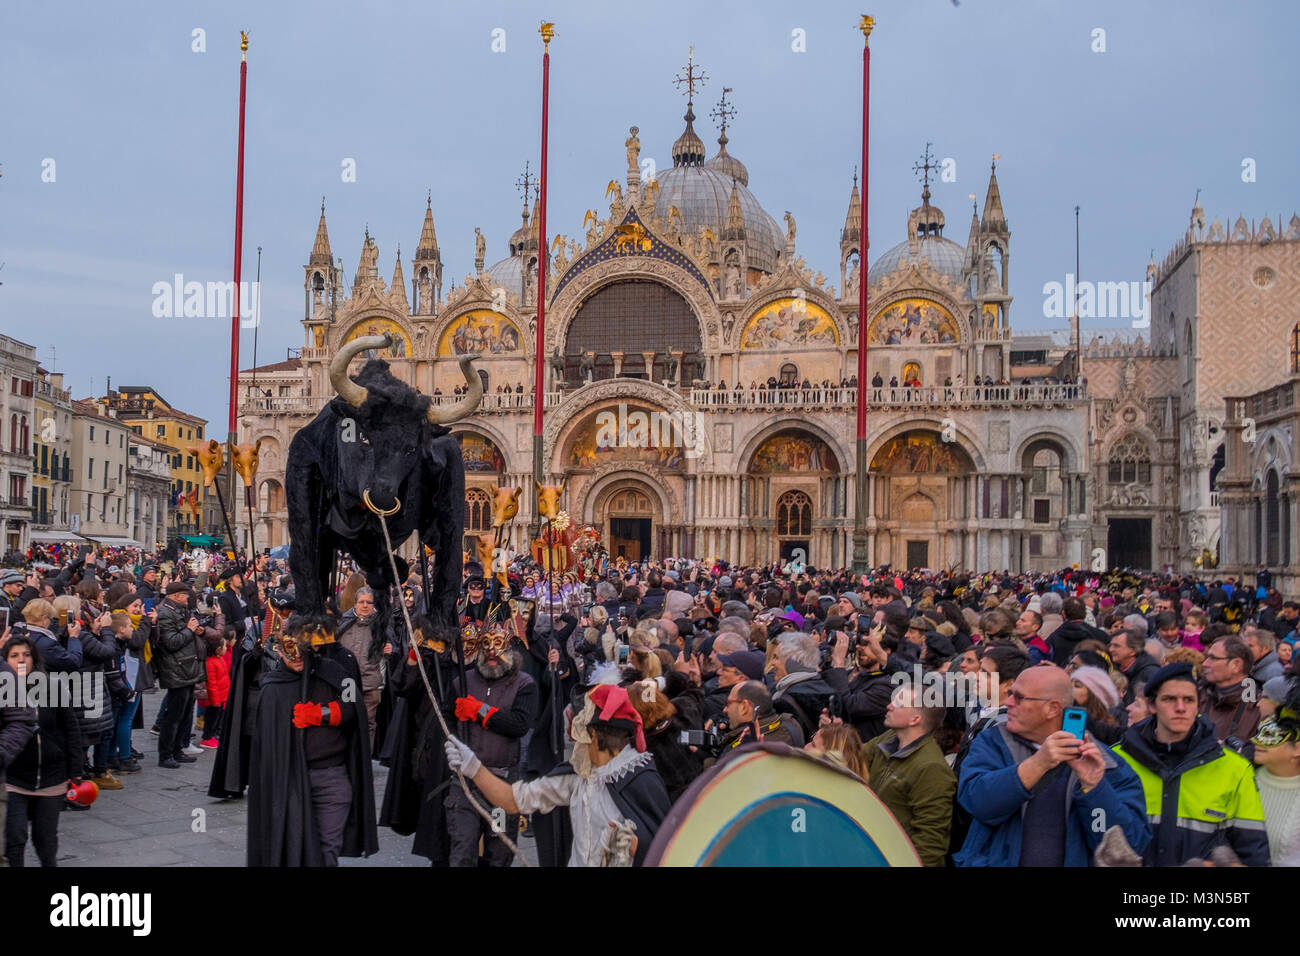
{"points": [[627, 513], [792, 498], [478, 515], [272, 515], [794, 526], [922, 493]]}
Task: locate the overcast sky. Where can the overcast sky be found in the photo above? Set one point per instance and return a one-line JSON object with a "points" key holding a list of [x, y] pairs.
{"points": [[142, 132]]}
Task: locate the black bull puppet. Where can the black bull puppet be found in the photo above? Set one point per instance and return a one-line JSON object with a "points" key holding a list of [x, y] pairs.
{"points": [[379, 446]]}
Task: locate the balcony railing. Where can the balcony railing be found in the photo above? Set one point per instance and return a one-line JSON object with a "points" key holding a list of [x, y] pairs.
{"points": [[923, 397], [1274, 400], [302, 405]]}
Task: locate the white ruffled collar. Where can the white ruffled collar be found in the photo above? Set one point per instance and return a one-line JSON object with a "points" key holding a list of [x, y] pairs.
{"points": [[627, 760]]}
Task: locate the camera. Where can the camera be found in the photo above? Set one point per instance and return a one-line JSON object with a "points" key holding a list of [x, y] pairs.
{"points": [[706, 740]]}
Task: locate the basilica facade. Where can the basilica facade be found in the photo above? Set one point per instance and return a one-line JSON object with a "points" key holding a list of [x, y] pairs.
{"points": [[698, 398]]}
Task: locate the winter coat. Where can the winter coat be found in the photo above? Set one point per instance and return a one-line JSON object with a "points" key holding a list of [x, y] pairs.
{"points": [[805, 699], [53, 754], [1066, 637], [1197, 798], [1051, 624], [1266, 668], [990, 789], [864, 698], [99, 655], [218, 675], [1229, 713], [917, 786], [178, 653], [16, 725], [1139, 672]]}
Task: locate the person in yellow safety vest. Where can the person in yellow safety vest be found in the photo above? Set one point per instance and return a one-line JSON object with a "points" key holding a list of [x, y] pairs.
{"points": [[1199, 795]]}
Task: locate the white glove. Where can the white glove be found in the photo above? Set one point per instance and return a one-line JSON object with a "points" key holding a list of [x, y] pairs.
{"points": [[461, 758]]}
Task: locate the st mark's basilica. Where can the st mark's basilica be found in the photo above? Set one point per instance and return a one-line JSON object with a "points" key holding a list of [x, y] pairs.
{"points": [[688, 306]]}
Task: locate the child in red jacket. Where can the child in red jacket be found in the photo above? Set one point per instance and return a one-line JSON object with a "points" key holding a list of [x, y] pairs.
{"points": [[218, 681]]}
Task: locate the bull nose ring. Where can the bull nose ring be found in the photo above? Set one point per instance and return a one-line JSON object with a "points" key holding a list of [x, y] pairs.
{"points": [[365, 496]]}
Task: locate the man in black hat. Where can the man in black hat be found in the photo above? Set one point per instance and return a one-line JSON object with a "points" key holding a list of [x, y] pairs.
{"points": [[179, 663], [475, 606], [147, 587]]}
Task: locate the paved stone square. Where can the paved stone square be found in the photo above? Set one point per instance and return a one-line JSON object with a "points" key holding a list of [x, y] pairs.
{"points": [[166, 818]]}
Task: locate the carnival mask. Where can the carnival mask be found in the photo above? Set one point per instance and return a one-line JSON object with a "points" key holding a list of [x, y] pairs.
{"points": [[289, 649]]}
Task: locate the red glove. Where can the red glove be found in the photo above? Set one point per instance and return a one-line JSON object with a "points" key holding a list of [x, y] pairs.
{"points": [[317, 715], [470, 709]]}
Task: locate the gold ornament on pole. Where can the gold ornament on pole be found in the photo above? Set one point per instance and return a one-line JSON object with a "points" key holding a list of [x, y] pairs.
{"points": [[865, 25]]}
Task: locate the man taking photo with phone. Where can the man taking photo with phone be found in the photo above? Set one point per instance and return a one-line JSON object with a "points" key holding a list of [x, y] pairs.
{"points": [[1035, 791]]}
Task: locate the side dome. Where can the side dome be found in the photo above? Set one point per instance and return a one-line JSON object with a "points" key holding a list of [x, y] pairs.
{"points": [[944, 255]]}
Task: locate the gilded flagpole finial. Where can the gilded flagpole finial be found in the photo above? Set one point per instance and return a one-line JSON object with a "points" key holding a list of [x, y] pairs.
{"points": [[865, 26], [243, 44], [547, 30]]}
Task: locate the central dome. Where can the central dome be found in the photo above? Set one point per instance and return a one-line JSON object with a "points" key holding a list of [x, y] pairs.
{"points": [[700, 195]]}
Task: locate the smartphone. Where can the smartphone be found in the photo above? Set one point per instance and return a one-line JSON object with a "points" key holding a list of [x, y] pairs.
{"points": [[4, 619], [623, 651], [1074, 720], [149, 604]]}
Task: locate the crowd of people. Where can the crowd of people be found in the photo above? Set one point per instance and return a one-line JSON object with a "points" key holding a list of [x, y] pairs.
{"points": [[997, 716]]}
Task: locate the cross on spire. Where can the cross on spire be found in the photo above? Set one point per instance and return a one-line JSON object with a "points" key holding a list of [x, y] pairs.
{"points": [[924, 168], [694, 76], [723, 112], [525, 183]]}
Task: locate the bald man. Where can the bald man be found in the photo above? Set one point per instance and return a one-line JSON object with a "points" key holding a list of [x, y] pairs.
{"points": [[1038, 795]]}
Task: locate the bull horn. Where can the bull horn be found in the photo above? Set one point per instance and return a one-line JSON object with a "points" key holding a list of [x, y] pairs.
{"points": [[350, 391], [466, 406]]}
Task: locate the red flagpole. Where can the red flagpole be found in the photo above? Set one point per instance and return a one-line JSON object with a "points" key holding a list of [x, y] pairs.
{"points": [[239, 237], [547, 31], [862, 498], [862, 257], [233, 436]]}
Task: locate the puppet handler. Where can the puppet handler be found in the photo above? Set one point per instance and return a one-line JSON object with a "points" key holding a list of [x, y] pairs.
{"points": [[310, 793], [615, 796]]}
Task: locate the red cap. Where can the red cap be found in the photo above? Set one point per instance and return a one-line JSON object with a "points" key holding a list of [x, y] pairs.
{"points": [[616, 708]]}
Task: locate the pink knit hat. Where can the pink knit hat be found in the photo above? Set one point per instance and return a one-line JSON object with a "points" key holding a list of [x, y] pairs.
{"points": [[1099, 685]]}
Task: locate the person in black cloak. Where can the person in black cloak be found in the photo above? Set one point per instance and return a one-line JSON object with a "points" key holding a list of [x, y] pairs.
{"points": [[248, 663], [616, 798], [310, 792], [545, 743], [418, 778]]}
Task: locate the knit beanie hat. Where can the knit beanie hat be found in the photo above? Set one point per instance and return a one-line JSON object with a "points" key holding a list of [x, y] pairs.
{"points": [[1099, 685]]}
